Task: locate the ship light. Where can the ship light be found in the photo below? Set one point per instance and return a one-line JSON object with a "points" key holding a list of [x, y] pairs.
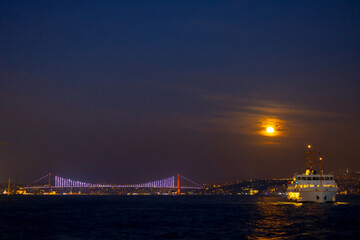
{"points": [[294, 195]]}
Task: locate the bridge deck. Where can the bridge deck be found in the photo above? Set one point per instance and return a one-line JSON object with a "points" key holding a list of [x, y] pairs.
{"points": [[46, 187]]}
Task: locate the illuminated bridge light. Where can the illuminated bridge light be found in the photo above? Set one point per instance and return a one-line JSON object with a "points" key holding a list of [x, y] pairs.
{"points": [[60, 182]]}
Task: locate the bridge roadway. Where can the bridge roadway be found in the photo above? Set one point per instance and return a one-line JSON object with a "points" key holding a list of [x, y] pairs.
{"points": [[107, 186]]}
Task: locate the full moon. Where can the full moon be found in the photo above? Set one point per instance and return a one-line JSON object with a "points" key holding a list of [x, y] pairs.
{"points": [[270, 130]]}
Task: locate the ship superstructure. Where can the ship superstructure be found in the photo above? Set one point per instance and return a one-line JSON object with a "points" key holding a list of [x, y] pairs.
{"points": [[312, 186]]}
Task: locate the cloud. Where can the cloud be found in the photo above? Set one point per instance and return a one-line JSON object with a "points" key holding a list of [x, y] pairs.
{"points": [[249, 116]]}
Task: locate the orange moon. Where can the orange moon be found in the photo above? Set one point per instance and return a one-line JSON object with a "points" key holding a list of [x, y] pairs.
{"points": [[270, 130]]}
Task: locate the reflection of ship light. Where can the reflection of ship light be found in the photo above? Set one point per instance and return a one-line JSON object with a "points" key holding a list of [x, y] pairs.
{"points": [[294, 195]]}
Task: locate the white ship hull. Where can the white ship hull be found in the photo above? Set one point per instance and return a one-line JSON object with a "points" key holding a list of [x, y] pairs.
{"points": [[320, 195]]}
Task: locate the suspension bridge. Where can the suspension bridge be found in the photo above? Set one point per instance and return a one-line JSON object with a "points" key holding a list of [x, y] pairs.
{"points": [[56, 182]]}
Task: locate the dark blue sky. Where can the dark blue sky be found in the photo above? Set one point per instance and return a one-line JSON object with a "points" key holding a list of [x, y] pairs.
{"points": [[112, 91]]}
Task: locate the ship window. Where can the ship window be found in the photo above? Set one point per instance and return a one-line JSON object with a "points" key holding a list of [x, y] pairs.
{"points": [[299, 178], [309, 178], [326, 178], [331, 178], [303, 178]]}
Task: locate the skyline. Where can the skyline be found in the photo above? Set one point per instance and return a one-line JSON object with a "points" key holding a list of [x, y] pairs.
{"points": [[126, 92]]}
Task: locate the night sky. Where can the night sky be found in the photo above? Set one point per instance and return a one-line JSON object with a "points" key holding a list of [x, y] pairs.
{"points": [[133, 91]]}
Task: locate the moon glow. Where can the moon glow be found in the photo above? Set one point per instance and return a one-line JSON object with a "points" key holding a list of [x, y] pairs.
{"points": [[270, 130]]}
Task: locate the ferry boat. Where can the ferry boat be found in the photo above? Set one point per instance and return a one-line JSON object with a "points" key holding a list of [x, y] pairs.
{"points": [[312, 186]]}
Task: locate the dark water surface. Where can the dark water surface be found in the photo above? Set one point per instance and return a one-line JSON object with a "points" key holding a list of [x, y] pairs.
{"points": [[170, 217]]}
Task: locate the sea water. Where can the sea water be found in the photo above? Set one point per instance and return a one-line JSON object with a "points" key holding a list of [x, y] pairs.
{"points": [[176, 217]]}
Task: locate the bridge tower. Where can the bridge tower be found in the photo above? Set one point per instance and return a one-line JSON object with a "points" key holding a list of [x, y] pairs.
{"points": [[49, 182], [8, 191], [178, 184]]}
